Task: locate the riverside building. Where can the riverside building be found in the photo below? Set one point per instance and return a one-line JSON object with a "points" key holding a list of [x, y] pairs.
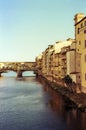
{"points": [[80, 36], [39, 64], [66, 57], [54, 63]]}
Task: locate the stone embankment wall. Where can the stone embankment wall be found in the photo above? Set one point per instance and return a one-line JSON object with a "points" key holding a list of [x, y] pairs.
{"points": [[72, 99]]}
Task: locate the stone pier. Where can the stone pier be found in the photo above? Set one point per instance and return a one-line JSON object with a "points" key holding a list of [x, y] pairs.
{"points": [[19, 74]]}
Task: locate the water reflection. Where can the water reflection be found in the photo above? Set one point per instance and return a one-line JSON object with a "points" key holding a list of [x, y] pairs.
{"points": [[74, 119], [31, 104]]}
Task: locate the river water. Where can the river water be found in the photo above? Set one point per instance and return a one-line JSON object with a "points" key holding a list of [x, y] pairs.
{"points": [[30, 104]]}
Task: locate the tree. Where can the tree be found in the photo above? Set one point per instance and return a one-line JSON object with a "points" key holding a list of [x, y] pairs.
{"points": [[68, 80]]}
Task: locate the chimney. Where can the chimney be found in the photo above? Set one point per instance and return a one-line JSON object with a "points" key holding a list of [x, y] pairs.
{"points": [[78, 17]]}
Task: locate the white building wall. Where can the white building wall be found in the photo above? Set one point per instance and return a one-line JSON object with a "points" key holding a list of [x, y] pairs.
{"points": [[68, 62], [71, 64], [73, 76]]}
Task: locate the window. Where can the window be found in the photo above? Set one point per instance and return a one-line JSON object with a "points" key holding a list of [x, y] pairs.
{"points": [[85, 23], [85, 43], [85, 76], [81, 25], [85, 58], [79, 42], [84, 31], [79, 77]]}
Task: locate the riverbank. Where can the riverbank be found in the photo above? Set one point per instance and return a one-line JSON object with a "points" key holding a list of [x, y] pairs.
{"points": [[72, 100]]}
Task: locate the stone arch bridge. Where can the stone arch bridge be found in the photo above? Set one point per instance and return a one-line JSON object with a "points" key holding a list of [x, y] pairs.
{"points": [[18, 67]]}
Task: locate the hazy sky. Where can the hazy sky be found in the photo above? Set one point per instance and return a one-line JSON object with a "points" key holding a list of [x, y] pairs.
{"points": [[27, 27]]}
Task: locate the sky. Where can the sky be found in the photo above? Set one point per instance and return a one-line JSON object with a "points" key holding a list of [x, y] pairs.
{"points": [[27, 27]]}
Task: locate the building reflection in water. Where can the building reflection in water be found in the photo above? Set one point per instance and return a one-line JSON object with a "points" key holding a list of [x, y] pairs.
{"points": [[74, 119]]}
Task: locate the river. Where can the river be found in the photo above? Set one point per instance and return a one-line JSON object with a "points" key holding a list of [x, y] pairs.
{"points": [[30, 104]]}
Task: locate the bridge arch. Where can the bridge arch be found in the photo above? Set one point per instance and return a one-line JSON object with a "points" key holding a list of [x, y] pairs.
{"points": [[18, 67], [9, 74], [28, 73]]}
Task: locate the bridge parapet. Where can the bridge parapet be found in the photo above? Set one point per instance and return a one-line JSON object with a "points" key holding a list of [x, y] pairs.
{"points": [[17, 66]]}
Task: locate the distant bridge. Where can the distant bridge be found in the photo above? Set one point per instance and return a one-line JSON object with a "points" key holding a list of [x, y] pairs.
{"points": [[18, 67]]}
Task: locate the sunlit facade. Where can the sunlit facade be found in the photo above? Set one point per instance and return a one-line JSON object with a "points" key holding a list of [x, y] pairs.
{"points": [[67, 57], [55, 61], [39, 64], [80, 36]]}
